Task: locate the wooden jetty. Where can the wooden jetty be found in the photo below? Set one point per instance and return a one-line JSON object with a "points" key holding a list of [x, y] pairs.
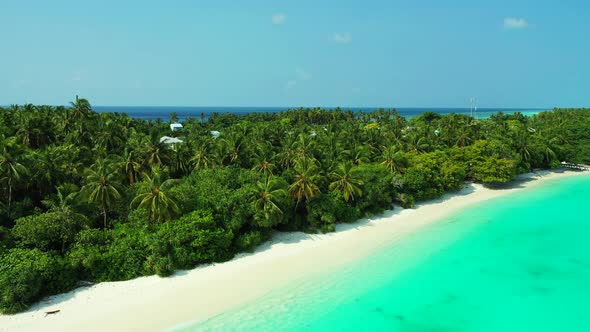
{"points": [[579, 167]]}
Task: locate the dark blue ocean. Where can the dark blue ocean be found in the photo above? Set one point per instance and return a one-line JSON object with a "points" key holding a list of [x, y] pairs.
{"points": [[183, 112]]}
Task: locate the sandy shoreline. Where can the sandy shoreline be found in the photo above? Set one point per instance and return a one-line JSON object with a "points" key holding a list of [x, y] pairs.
{"points": [[157, 304]]}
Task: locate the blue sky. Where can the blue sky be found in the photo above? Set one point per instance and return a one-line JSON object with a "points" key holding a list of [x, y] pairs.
{"points": [[404, 53]]}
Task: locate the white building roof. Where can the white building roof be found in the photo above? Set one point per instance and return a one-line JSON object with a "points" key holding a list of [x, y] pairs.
{"points": [[175, 126], [169, 140]]}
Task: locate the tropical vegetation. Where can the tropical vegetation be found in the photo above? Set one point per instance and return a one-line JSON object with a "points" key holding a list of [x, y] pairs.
{"points": [[87, 196]]}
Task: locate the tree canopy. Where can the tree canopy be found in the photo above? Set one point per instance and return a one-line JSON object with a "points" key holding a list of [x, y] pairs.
{"points": [[98, 196]]}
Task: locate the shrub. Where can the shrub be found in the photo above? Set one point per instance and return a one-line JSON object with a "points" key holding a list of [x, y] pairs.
{"points": [[139, 216], [249, 240], [219, 190], [492, 162], [492, 170], [26, 275], [106, 255], [133, 250], [378, 191], [407, 201], [47, 231], [328, 228], [193, 239], [453, 175], [329, 209]]}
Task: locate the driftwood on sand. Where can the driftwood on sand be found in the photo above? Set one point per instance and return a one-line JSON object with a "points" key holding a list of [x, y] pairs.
{"points": [[52, 312]]}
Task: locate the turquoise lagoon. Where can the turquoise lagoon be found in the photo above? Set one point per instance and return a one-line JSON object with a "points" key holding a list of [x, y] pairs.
{"points": [[520, 262]]}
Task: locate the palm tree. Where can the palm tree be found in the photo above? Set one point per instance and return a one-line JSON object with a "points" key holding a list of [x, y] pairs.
{"points": [[173, 118], [304, 146], [101, 187], [49, 167], [80, 112], [307, 177], [548, 154], [233, 148], [417, 142], [154, 197], [266, 200], [263, 160], [287, 157], [330, 142], [464, 137], [130, 166], [345, 181], [203, 156], [110, 136], [73, 166], [521, 142], [357, 154], [157, 154], [63, 203], [61, 121], [393, 158], [80, 109], [11, 171], [180, 164], [26, 129]]}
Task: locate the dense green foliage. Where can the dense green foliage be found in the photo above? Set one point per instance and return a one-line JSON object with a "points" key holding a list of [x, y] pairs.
{"points": [[27, 274], [96, 197]]}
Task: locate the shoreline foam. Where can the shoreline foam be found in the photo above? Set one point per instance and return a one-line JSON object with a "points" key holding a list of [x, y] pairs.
{"points": [[156, 304]]}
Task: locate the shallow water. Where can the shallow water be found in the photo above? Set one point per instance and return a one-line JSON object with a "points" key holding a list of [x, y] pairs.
{"points": [[517, 263]]}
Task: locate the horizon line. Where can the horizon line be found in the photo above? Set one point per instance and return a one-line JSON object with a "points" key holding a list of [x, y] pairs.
{"points": [[333, 107], [315, 106]]}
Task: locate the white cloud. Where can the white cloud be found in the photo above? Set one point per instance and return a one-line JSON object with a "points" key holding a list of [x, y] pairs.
{"points": [[302, 74], [278, 19], [515, 23], [342, 38], [290, 84]]}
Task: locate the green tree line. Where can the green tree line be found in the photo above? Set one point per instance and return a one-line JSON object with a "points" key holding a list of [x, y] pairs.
{"points": [[87, 196]]}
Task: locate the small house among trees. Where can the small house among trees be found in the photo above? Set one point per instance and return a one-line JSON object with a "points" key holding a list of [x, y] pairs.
{"points": [[176, 126]]}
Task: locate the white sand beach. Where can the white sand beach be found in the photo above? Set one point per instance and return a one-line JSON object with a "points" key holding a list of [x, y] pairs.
{"points": [[158, 304]]}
